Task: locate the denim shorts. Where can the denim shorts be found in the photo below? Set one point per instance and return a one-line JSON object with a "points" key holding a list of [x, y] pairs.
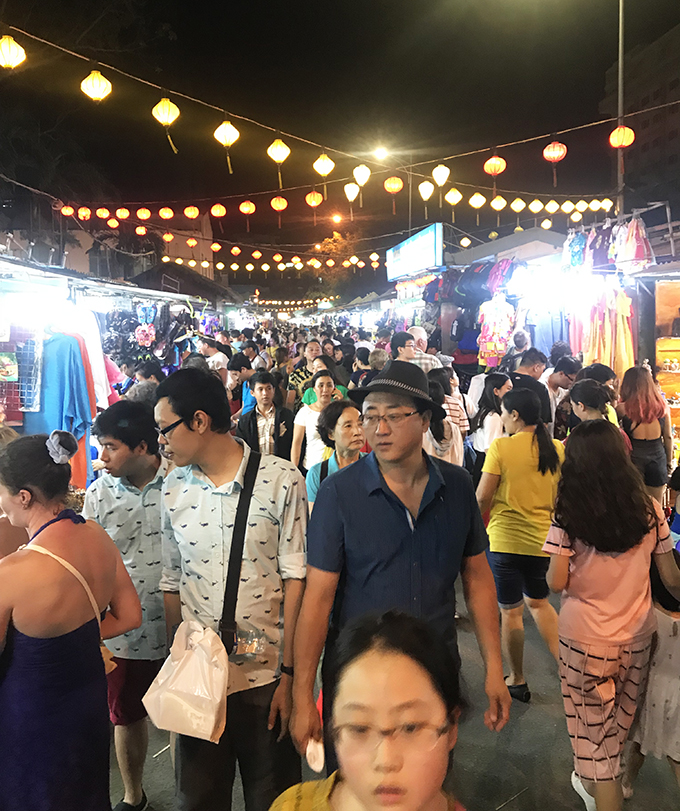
{"points": [[519, 576]]}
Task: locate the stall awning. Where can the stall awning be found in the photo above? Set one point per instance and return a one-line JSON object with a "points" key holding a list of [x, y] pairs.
{"points": [[533, 243]]}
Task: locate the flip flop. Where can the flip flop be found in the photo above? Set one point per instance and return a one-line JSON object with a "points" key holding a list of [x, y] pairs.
{"points": [[520, 692]]}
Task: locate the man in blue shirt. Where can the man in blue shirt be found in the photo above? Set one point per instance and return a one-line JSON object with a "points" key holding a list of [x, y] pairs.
{"points": [[242, 369], [393, 531]]}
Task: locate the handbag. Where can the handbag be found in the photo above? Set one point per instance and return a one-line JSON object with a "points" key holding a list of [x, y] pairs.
{"points": [[107, 656], [189, 694]]}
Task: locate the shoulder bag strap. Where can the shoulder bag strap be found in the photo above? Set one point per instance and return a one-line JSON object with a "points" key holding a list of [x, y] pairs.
{"points": [[228, 621], [324, 471], [75, 573]]}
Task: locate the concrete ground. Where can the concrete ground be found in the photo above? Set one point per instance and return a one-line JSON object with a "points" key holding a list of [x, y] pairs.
{"points": [[526, 767]]}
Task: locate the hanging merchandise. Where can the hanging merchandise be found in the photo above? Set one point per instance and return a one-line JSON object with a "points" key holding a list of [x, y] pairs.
{"points": [[497, 318], [636, 252], [472, 288]]}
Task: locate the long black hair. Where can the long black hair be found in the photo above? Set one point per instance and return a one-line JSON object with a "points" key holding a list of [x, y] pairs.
{"points": [[601, 498], [528, 406], [489, 402], [437, 426], [394, 632], [590, 394]]}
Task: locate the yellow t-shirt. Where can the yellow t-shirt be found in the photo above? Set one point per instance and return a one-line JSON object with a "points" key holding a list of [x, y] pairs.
{"points": [[523, 504], [611, 415]]}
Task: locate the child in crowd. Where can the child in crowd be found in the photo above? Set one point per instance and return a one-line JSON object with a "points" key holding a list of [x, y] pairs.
{"points": [[606, 530], [656, 730]]}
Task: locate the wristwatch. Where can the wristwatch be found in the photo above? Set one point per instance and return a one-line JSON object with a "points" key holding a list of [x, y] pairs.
{"points": [[287, 671]]}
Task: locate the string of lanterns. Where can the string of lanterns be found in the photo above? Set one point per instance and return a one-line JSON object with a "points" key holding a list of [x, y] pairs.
{"points": [[98, 87]]}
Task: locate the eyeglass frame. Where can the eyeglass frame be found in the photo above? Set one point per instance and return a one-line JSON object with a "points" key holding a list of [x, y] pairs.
{"points": [[391, 419], [163, 432], [391, 732]]}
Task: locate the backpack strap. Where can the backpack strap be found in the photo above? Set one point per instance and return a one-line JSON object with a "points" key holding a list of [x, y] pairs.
{"points": [[324, 471]]}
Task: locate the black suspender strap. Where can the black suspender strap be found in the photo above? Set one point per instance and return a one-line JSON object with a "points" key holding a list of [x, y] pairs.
{"points": [[324, 471], [228, 621]]}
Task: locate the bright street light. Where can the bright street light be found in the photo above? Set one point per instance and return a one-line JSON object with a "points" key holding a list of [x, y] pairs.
{"points": [[336, 218], [381, 153]]}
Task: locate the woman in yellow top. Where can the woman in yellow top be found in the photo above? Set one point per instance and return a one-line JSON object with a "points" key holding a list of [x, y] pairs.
{"points": [[395, 721], [519, 487]]}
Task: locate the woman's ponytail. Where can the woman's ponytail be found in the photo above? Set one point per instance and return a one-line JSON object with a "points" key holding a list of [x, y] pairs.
{"points": [[548, 460]]}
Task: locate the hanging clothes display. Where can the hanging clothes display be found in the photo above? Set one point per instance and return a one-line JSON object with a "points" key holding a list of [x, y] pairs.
{"points": [[497, 319], [610, 335]]}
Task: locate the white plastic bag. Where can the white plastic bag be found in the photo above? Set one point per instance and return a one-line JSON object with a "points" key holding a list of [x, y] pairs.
{"points": [[189, 694]]}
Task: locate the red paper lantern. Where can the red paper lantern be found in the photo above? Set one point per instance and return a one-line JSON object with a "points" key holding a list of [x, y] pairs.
{"points": [[215, 247], [314, 199], [236, 250], [192, 242], [103, 213], [191, 212], [168, 237], [279, 204], [166, 213], [256, 254], [622, 137], [84, 213], [247, 207], [122, 213], [140, 230], [393, 185], [67, 211], [143, 214], [218, 210], [495, 165], [554, 153]]}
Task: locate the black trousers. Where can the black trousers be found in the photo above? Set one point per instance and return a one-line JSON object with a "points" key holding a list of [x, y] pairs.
{"points": [[205, 771]]}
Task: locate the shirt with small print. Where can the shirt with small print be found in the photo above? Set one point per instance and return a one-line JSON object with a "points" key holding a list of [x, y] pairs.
{"points": [[265, 430], [198, 521], [132, 518], [425, 361]]}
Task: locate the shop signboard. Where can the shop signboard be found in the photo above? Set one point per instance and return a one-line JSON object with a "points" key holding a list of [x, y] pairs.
{"points": [[423, 251]]}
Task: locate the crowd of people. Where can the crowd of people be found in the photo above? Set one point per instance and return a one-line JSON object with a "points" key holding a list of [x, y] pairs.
{"points": [[373, 485]]}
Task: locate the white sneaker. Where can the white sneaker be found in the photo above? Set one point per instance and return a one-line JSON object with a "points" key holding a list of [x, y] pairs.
{"points": [[580, 789], [627, 791]]}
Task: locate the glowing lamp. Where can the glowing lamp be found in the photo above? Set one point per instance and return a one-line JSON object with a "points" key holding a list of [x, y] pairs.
{"points": [[466, 242], [426, 189], [247, 207], [440, 174], [226, 134], [96, 86], [621, 137], [361, 174], [493, 235], [103, 213], [67, 211], [375, 265], [546, 225], [576, 216], [192, 263], [233, 266], [218, 210], [374, 257], [323, 165], [140, 230], [279, 203], [281, 266], [168, 237], [122, 213], [351, 191], [567, 206], [215, 247], [314, 199], [498, 203], [347, 263], [393, 185], [607, 204], [179, 261], [581, 206], [594, 205], [535, 206], [220, 265], [192, 242], [552, 206], [143, 214], [518, 205], [330, 263], [113, 223], [265, 267], [519, 229], [353, 260], [555, 152], [256, 254], [11, 53], [205, 264], [165, 112], [296, 260], [278, 152], [84, 213], [191, 212], [361, 264], [453, 197], [235, 250], [166, 213], [277, 257], [495, 165], [336, 218], [250, 268], [477, 200], [165, 258]]}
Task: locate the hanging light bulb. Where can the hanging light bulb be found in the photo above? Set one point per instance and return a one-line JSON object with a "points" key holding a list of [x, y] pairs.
{"points": [[278, 152], [440, 174], [84, 213], [546, 225], [227, 135], [166, 213], [103, 213], [374, 257], [466, 242], [494, 167], [215, 247], [554, 153], [218, 210], [519, 229], [168, 237], [622, 137], [535, 206], [498, 203], [594, 205], [192, 242], [314, 199], [143, 214], [192, 263], [247, 207], [277, 257], [256, 254], [567, 207], [235, 250], [113, 223], [11, 53], [122, 213], [279, 204], [234, 266], [361, 174], [67, 211], [351, 193], [166, 113], [323, 165], [140, 230], [552, 206], [96, 86], [576, 216], [607, 204], [426, 190], [493, 235], [518, 205], [581, 206], [179, 261], [191, 212], [165, 258]]}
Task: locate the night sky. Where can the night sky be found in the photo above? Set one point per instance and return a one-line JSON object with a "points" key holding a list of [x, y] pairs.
{"points": [[428, 79]]}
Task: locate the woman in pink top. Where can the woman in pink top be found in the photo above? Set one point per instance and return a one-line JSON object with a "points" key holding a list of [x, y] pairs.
{"points": [[606, 529]]}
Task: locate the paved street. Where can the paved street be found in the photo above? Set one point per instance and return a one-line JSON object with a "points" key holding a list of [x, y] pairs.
{"points": [[526, 767]]}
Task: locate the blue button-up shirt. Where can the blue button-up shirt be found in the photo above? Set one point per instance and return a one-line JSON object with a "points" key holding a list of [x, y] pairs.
{"points": [[385, 558], [132, 518]]}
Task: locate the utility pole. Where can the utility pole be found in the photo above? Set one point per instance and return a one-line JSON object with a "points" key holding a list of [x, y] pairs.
{"points": [[620, 166]]}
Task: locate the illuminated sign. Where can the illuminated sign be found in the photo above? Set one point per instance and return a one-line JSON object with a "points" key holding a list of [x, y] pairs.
{"points": [[423, 251]]}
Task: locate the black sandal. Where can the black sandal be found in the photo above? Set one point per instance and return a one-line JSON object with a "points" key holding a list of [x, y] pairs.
{"points": [[520, 692]]}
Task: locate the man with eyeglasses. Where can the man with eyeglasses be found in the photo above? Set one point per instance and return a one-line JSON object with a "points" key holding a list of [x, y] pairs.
{"points": [[394, 531], [559, 381], [200, 499]]}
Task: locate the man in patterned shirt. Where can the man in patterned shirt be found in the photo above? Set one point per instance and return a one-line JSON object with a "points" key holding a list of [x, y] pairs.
{"points": [[422, 359], [298, 378], [126, 502], [200, 498]]}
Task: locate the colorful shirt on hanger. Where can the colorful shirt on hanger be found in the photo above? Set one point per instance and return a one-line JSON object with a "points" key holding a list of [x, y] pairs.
{"points": [[497, 318]]}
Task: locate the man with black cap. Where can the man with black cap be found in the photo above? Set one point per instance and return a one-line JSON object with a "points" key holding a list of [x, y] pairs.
{"points": [[393, 531]]}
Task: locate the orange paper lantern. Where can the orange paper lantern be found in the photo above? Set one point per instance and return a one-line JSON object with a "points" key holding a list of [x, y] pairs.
{"points": [[622, 137], [236, 250], [122, 213], [143, 214], [140, 230], [67, 211], [84, 213], [192, 242], [103, 213], [191, 212], [166, 213], [168, 237], [247, 207], [279, 203], [218, 210], [554, 153], [393, 185], [215, 247]]}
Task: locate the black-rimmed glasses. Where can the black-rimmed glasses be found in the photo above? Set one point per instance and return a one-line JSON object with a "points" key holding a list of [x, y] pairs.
{"points": [[163, 432]]}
